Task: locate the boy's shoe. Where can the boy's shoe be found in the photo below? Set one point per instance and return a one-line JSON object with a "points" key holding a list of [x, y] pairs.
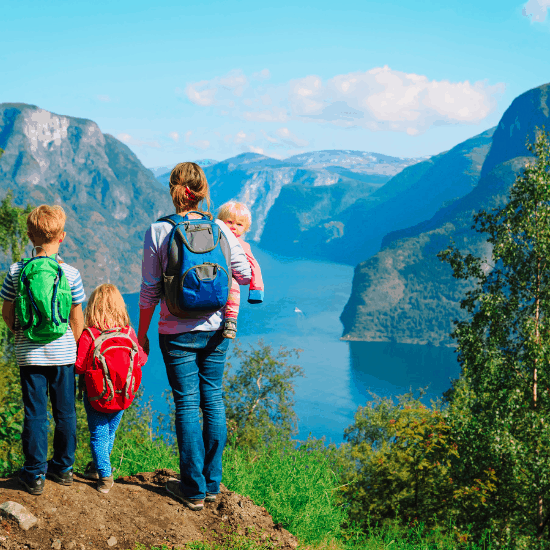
{"points": [[33, 484], [210, 497], [90, 471], [63, 478], [173, 488], [230, 329], [104, 484]]}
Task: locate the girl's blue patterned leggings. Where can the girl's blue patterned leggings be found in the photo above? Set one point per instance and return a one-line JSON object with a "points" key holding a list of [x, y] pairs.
{"points": [[102, 428]]}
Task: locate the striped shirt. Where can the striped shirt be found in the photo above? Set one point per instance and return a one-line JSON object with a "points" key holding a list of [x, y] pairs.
{"points": [[59, 352]]}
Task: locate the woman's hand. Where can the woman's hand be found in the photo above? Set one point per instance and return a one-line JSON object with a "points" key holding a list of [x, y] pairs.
{"points": [[143, 341]]}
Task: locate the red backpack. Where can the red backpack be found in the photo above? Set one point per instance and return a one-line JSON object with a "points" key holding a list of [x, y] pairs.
{"points": [[115, 375]]}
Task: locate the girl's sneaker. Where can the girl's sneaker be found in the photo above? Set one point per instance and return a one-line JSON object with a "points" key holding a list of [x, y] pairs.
{"points": [[104, 484], [230, 328], [210, 497]]}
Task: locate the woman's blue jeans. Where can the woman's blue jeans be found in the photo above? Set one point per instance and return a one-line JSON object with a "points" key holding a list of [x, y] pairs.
{"points": [[194, 365]]}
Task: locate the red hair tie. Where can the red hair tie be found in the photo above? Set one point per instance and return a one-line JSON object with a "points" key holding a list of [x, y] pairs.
{"points": [[189, 195]]}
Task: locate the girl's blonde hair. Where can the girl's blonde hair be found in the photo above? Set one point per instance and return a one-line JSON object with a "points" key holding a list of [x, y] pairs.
{"points": [[189, 187], [106, 308], [235, 209]]}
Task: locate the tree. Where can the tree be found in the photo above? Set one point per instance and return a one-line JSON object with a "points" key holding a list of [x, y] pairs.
{"points": [[13, 238], [259, 395], [500, 407]]}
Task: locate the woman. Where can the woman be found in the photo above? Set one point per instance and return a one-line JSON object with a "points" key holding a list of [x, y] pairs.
{"points": [[193, 350]]}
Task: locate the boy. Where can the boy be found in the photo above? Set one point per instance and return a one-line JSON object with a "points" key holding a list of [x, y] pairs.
{"points": [[46, 368], [238, 218]]}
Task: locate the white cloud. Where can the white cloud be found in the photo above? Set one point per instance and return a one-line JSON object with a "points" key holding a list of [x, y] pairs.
{"points": [[384, 99], [291, 139], [258, 150], [264, 74], [174, 136], [104, 98], [537, 10], [378, 99], [202, 144], [129, 140]]}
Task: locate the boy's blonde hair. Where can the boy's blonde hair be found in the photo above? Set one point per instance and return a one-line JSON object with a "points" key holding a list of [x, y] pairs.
{"points": [[189, 187], [237, 210], [45, 223], [106, 308]]}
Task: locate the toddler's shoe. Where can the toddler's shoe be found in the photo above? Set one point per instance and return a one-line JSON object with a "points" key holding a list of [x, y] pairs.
{"points": [[63, 478], [105, 484], [34, 485], [230, 328]]}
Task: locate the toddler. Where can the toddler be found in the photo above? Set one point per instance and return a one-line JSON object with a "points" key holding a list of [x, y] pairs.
{"points": [[237, 217], [105, 312]]}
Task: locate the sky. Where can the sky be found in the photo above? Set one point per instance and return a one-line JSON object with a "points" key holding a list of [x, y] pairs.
{"points": [[179, 81]]}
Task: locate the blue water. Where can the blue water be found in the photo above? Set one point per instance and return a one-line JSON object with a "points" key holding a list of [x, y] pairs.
{"points": [[338, 375]]}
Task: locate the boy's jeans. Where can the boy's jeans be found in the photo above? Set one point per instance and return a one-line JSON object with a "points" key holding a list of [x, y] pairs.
{"points": [[194, 364], [60, 383]]}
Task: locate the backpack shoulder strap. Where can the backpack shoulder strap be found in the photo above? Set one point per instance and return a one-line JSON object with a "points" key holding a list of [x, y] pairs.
{"points": [[172, 219]]}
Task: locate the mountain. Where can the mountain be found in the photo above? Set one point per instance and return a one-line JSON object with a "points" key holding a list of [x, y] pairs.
{"points": [[404, 293], [109, 197], [257, 180], [344, 225]]}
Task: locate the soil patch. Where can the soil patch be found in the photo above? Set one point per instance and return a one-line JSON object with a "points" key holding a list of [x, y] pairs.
{"points": [[137, 509]]}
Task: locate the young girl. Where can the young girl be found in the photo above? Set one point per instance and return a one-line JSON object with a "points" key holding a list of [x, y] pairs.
{"points": [[237, 217], [105, 310]]}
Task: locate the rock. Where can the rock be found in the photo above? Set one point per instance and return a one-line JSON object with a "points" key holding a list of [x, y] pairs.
{"points": [[18, 512], [71, 545], [111, 541], [56, 544]]}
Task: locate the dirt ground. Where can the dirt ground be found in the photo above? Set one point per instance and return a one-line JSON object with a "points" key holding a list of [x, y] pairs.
{"points": [[137, 509]]}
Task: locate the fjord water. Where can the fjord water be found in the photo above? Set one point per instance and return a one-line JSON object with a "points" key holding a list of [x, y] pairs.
{"points": [[303, 302]]}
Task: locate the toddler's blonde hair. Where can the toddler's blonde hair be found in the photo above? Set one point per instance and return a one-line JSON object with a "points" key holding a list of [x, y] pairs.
{"points": [[106, 308], [237, 210], [45, 223]]}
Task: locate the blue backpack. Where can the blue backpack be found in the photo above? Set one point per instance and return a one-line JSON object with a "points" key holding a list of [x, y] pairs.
{"points": [[198, 276]]}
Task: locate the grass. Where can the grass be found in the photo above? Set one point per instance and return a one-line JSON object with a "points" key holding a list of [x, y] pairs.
{"points": [[297, 486]]}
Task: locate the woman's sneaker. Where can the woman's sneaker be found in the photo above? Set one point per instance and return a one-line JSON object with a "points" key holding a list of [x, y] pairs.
{"points": [[173, 488], [33, 484], [230, 328], [90, 471], [105, 484]]}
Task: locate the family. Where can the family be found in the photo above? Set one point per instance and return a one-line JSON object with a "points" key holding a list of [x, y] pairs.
{"points": [[199, 305]]}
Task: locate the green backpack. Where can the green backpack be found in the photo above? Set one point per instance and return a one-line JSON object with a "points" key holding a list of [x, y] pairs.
{"points": [[43, 300]]}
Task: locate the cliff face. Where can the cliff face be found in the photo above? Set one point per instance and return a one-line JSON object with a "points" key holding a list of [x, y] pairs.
{"points": [[108, 195], [346, 224], [527, 112], [404, 293]]}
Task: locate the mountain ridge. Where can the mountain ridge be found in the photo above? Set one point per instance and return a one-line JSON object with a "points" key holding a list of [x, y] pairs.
{"points": [[404, 293]]}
